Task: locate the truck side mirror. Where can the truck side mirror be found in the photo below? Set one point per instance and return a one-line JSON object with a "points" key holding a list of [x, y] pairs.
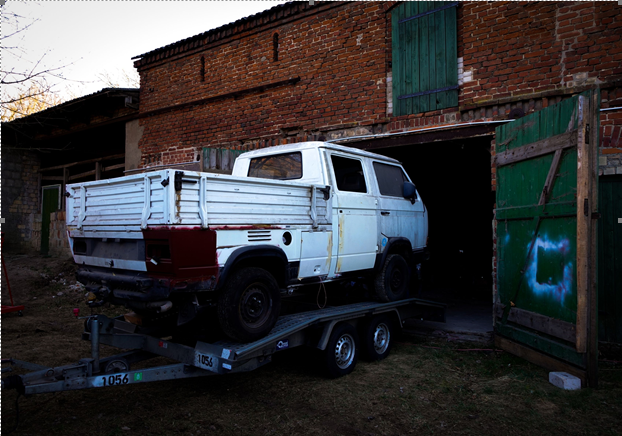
{"points": [[409, 191]]}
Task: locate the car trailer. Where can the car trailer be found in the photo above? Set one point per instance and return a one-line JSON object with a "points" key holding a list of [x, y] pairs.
{"points": [[335, 330]]}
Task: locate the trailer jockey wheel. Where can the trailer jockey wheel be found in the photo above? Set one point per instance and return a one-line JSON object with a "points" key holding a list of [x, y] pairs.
{"points": [[116, 365], [249, 305], [393, 279], [342, 351], [377, 338]]}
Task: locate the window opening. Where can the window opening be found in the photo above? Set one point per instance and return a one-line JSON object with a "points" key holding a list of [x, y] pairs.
{"points": [[390, 179], [275, 47], [279, 167], [349, 174]]}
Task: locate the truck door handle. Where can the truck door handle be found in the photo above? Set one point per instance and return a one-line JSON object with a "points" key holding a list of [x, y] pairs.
{"points": [[385, 213]]}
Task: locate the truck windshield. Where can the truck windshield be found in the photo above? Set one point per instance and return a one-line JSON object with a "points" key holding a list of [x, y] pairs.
{"points": [[280, 167]]}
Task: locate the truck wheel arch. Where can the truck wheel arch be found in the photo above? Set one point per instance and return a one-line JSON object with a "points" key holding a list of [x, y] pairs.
{"points": [[272, 259], [397, 245]]}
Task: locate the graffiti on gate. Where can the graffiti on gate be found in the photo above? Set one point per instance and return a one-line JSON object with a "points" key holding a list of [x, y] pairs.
{"points": [[550, 271]]}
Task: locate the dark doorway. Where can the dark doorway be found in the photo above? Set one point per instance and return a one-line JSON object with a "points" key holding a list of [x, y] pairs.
{"points": [[453, 178]]}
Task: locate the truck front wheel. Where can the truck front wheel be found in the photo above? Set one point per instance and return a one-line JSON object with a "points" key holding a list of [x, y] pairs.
{"points": [[392, 280], [249, 305]]}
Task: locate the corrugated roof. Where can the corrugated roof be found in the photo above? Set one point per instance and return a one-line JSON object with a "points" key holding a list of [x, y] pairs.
{"points": [[244, 24]]}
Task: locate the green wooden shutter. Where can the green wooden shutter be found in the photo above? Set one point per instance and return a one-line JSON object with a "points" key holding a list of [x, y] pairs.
{"points": [[425, 57], [220, 160]]}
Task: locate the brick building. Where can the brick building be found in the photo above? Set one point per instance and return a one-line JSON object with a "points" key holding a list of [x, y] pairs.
{"points": [[425, 82], [344, 71]]}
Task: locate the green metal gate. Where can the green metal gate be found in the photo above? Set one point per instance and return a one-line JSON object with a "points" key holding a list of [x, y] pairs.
{"points": [[545, 297], [610, 259]]}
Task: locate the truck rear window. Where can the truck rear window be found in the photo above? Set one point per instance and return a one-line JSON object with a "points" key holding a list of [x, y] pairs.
{"points": [[280, 167]]}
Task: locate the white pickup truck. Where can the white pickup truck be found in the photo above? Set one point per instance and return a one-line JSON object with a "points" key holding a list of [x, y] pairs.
{"points": [[173, 244]]}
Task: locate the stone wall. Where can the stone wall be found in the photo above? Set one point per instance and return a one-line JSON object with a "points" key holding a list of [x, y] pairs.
{"points": [[21, 201]]}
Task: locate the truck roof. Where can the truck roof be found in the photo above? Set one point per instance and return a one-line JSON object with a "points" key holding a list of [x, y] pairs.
{"points": [[315, 144]]}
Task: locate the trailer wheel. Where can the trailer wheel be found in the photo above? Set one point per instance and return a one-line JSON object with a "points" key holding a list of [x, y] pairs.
{"points": [[249, 305], [377, 338], [341, 353], [392, 280]]}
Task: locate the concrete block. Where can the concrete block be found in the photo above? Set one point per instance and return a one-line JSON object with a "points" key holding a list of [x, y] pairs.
{"points": [[565, 381], [609, 171], [602, 160]]}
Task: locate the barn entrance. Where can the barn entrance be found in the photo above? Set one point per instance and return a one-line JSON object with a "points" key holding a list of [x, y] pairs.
{"points": [[453, 178]]}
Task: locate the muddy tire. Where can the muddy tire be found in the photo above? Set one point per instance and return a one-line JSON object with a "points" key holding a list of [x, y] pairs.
{"points": [[393, 279], [249, 306], [377, 338], [342, 351]]}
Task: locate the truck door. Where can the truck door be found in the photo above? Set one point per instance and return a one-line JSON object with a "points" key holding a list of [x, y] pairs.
{"points": [[354, 213], [398, 216], [545, 301]]}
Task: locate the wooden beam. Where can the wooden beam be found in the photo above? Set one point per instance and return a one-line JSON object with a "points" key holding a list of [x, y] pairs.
{"points": [[541, 323], [113, 167], [583, 222], [98, 159], [79, 176], [536, 357], [592, 344], [57, 178], [550, 178], [539, 148]]}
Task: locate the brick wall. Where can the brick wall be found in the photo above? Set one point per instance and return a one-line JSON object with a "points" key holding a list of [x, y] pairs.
{"points": [[20, 201], [525, 48], [338, 54], [514, 55]]}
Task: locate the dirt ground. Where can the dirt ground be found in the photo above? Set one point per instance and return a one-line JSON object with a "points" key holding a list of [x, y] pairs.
{"points": [[423, 387]]}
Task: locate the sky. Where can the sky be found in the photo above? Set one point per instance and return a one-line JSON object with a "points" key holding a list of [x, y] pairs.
{"points": [[86, 39]]}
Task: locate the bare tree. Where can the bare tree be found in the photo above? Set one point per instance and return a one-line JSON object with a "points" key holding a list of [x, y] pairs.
{"points": [[121, 79], [26, 89], [29, 100]]}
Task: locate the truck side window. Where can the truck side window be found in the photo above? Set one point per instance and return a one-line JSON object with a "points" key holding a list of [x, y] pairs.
{"points": [[349, 174], [390, 179], [280, 167]]}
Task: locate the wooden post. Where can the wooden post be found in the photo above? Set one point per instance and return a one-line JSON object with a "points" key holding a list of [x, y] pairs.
{"points": [[592, 345], [583, 223], [64, 187], [98, 170]]}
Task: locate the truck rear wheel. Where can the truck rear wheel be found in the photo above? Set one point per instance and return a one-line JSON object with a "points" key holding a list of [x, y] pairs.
{"points": [[342, 351], [392, 280], [249, 305], [377, 338]]}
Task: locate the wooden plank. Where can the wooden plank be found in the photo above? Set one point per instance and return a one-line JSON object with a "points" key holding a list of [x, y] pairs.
{"points": [[433, 36], [550, 178], [85, 174], [99, 159], [583, 224], [423, 64], [592, 344], [114, 167], [539, 359], [57, 178], [451, 53], [541, 323], [538, 148]]}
